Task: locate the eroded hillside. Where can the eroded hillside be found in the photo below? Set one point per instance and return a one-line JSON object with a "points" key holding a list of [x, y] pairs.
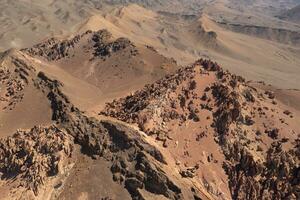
{"points": [[40, 159], [235, 139], [106, 105]]}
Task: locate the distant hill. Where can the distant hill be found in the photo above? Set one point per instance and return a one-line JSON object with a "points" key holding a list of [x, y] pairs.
{"points": [[292, 15]]}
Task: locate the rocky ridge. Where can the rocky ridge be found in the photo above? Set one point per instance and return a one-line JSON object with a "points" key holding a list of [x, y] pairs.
{"points": [[102, 45], [102, 60], [258, 166], [34, 156], [253, 143], [13, 80]]}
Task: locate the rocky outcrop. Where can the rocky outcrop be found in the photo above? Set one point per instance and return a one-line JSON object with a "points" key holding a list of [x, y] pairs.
{"points": [[255, 170], [141, 107], [13, 79], [276, 178], [101, 43], [271, 176], [53, 49], [134, 163], [103, 47], [228, 109], [35, 155], [135, 169], [202, 96], [208, 65]]}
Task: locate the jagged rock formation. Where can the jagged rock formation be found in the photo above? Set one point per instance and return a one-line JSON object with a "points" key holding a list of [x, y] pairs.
{"points": [[129, 153], [13, 81], [257, 165], [215, 135], [102, 60], [32, 156], [275, 178], [102, 46]]}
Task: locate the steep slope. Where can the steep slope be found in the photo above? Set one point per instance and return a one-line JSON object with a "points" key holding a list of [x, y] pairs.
{"points": [[94, 67], [236, 140], [198, 133], [40, 163], [19, 98], [201, 133], [115, 66], [219, 30]]}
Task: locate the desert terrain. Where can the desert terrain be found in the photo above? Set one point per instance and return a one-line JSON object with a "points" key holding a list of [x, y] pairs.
{"points": [[143, 99]]}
